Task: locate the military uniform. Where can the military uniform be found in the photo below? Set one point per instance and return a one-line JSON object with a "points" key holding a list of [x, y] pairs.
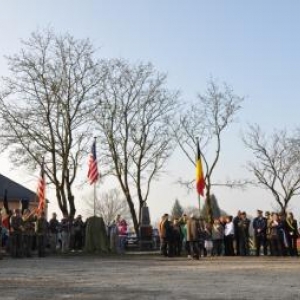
{"points": [[16, 229], [53, 231], [41, 234], [28, 233]]}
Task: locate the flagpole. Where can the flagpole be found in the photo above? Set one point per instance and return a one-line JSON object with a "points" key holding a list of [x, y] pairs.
{"points": [[199, 205], [95, 186], [94, 199]]}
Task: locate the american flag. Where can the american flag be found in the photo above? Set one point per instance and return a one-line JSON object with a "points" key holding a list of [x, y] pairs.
{"points": [[93, 173], [41, 189]]}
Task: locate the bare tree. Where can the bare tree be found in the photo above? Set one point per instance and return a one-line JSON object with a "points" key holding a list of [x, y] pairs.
{"points": [[207, 119], [133, 119], [44, 107], [275, 164], [108, 206]]}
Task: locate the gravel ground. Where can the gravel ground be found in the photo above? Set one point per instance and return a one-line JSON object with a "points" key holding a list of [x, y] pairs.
{"points": [[149, 277]]}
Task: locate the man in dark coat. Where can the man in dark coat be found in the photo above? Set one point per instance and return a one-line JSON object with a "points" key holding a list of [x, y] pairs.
{"points": [[260, 231]]}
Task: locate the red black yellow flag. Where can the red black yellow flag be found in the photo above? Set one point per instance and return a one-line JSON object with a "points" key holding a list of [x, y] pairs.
{"points": [[200, 181]]}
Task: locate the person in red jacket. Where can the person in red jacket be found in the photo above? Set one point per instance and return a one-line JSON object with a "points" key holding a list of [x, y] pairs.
{"points": [[122, 236]]}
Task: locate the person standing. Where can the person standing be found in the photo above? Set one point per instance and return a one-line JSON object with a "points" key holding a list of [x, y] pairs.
{"points": [[122, 233], [28, 233], [229, 235], [292, 230], [177, 237], [243, 232], [268, 218], [112, 233], [275, 239], [183, 225], [193, 229], [16, 229], [53, 232], [78, 231], [217, 237], [41, 230], [236, 221], [163, 233], [65, 234], [260, 230]]}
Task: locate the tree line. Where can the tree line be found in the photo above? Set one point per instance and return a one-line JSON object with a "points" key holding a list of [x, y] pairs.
{"points": [[59, 94]]}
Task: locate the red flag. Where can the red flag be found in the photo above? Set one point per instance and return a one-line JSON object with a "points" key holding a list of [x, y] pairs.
{"points": [[41, 189], [5, 211], [200, 181], [93, 173]]}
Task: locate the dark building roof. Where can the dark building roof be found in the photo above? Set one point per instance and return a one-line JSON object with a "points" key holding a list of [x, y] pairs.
{"points": [[15, 191]]}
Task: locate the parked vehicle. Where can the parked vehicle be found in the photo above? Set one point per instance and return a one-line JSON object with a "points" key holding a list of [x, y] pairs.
{"points": [[132, 240], [155, 239]]}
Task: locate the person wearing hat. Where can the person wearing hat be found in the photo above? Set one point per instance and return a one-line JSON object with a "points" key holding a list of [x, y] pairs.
{"points": [[243, 233], [260, 231]]}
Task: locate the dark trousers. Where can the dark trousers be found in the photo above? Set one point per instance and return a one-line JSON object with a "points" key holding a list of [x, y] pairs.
{"points": [[27, 245], [78, 241], [164, 246], [187, 248], [260, 241], [244, 247], [41, 244], [194, 248], [217, 248], [237, 245], [177, 247], [276, 246], [293, 246], [16, 244], [229, 251]]}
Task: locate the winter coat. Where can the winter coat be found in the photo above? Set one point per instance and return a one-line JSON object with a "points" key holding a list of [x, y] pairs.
{"points": [[193, 228], [217, 232]]}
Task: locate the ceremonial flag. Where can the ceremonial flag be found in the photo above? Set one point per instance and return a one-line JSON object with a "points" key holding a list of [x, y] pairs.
{"points": [[5, 211], [200, 181], [5, 201], [93, 174], [41, 189]]}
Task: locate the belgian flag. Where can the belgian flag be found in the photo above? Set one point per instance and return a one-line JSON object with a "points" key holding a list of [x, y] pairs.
{"points": [[200, 181]]}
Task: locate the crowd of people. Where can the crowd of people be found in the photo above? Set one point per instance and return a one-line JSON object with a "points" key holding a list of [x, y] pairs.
{"points": [[24, 233], [28, 232], [273, 234]]}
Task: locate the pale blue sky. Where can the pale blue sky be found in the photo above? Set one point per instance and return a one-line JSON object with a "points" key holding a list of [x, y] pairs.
{"points": [[252, 45]]}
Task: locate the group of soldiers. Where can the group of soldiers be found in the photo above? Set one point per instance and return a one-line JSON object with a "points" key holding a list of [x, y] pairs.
{"points": [[273, 234], [23, 233]]}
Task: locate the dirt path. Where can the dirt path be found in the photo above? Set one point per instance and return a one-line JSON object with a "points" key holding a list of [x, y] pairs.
{"points": [[149, 277]]}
